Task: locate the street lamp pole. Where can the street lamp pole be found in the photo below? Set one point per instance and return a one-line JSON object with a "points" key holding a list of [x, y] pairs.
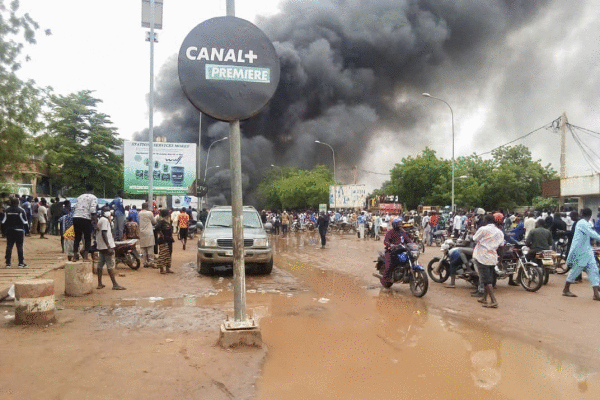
{"points": [[452, 114], [334, 181], [206, 166], [208, 153]]}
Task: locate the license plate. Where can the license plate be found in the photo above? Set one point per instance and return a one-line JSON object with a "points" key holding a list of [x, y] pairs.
{"points": [[547, 262], [229, 253]]}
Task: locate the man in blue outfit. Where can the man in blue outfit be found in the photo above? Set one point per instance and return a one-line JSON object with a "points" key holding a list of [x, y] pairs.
{"points": [[581, 256]]}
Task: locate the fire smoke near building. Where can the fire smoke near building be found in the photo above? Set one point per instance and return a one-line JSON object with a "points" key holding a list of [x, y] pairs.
{"points": [[347, 69]]}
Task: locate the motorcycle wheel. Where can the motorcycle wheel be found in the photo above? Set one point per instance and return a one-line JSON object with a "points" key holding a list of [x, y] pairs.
{"points": [[534, 283], [133, 261], [443, 272], [419, 283], [561, 266]]}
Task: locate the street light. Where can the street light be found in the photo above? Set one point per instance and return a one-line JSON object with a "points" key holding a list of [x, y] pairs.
{"points": [[208, 153], [452, 114], [334, 182]]}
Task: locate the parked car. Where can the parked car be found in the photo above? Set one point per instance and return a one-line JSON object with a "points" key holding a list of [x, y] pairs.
{"points": [[215, 247]]}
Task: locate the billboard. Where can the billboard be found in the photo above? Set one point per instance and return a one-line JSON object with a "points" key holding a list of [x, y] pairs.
{"points": [[174, 167], [347, 196]]}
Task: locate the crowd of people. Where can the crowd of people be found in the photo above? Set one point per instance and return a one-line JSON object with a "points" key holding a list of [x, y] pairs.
{"points": [[100, 228], [156, 228]]}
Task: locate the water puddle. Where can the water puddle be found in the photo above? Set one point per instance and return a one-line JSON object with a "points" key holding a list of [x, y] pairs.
{"points": [[341, 341]]}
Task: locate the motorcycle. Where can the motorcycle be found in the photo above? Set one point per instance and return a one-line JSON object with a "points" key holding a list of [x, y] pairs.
{"points": [[126, 253], [560, 261], [439, 237], [513, 261], [192, 229], [438, 268], [545, 259], [405, 268]]}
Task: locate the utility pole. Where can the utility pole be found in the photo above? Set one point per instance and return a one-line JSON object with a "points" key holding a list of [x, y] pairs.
{"points": [[563, 146], [355, 173]]}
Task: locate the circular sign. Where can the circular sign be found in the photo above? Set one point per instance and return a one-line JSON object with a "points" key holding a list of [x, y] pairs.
{"points": [[228, 68]]}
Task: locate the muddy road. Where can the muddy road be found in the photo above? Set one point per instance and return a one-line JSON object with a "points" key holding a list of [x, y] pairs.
{"points": [[329, 332]]}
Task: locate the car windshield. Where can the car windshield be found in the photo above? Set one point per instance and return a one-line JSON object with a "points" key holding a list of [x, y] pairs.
{"points": [[223, 219]]}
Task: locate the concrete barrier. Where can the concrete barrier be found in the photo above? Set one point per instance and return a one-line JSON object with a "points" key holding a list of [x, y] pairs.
{"points": [[34, 302], [79, 279]]}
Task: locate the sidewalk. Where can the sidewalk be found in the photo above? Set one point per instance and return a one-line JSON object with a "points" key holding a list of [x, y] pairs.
{"points": [[41, 256]]}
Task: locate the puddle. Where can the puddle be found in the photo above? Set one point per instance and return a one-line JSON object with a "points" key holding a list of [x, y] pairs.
{"points": [[373, 345]]}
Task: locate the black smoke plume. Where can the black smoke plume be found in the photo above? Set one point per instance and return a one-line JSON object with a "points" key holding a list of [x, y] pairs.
{"points": [[346, 66]]}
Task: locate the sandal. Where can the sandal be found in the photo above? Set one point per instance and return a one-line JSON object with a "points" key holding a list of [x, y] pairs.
{"points": [[482, 301], [492, 305], [569, 294]]}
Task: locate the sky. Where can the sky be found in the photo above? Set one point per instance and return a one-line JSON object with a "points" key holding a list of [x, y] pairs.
{"points": [[352, 75]]}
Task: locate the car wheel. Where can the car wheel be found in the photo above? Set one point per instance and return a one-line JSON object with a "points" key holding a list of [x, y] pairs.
{"points": [[203, 269], [265, 269]]}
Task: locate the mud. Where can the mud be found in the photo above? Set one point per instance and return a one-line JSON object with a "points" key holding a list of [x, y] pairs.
{"points": [[329, 332]]}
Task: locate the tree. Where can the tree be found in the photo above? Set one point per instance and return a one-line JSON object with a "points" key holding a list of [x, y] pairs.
{"points": [[81, 146], [511, 178], [422, 179], [20, 101], [296, 189]]}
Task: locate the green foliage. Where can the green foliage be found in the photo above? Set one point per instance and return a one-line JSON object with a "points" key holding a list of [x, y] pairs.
{"points": [[511, 178], [545, 203], [81, 145], [20, 101], [292, 188]]}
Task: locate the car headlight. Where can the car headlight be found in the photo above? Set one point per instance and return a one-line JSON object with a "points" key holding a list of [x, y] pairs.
{"points": [[261, 242], [208, 242]]}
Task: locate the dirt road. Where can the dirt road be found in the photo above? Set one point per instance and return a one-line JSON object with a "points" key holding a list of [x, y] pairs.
{"points": [[329, 332]]}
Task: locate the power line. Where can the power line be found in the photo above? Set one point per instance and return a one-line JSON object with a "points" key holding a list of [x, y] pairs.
{"points": [[519, 138], [586, 152], [584, 129]]}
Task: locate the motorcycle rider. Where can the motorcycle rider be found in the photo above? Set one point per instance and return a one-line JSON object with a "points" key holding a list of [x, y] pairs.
{"points": [[538, 240], [394, 237]]}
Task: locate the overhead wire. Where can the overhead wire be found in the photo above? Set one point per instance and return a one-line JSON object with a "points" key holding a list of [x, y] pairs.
{"points": [[584, 129], [586, 150], [519, 138]]}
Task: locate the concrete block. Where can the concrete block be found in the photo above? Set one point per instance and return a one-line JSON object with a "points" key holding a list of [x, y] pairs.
{"points": [[34, 302], [240, 337], [79, 279]]}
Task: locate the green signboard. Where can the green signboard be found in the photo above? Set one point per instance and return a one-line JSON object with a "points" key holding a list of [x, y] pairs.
{"points": [[174, 169]]}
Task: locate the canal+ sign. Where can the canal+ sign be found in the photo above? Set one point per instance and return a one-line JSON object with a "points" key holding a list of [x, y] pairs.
{"points": [[228, 68]]}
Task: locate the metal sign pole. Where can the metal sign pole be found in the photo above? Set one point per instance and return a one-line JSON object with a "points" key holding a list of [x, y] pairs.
{"points": [[235, 162], [239, 271], [151, 111]]}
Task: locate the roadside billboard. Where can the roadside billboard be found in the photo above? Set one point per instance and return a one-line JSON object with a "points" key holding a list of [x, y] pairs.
{"points": [[347, 196], [174, 167]]}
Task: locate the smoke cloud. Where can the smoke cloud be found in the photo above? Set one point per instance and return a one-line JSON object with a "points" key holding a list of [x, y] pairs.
{"points": [[348, 71]]}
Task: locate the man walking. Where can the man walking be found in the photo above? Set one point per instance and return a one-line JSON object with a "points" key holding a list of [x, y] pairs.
{"points": [[581, 256], [488, 239], [183, 221], [322, 224], [14, 222], [84, 214], [147, 222], [106, 249]]}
